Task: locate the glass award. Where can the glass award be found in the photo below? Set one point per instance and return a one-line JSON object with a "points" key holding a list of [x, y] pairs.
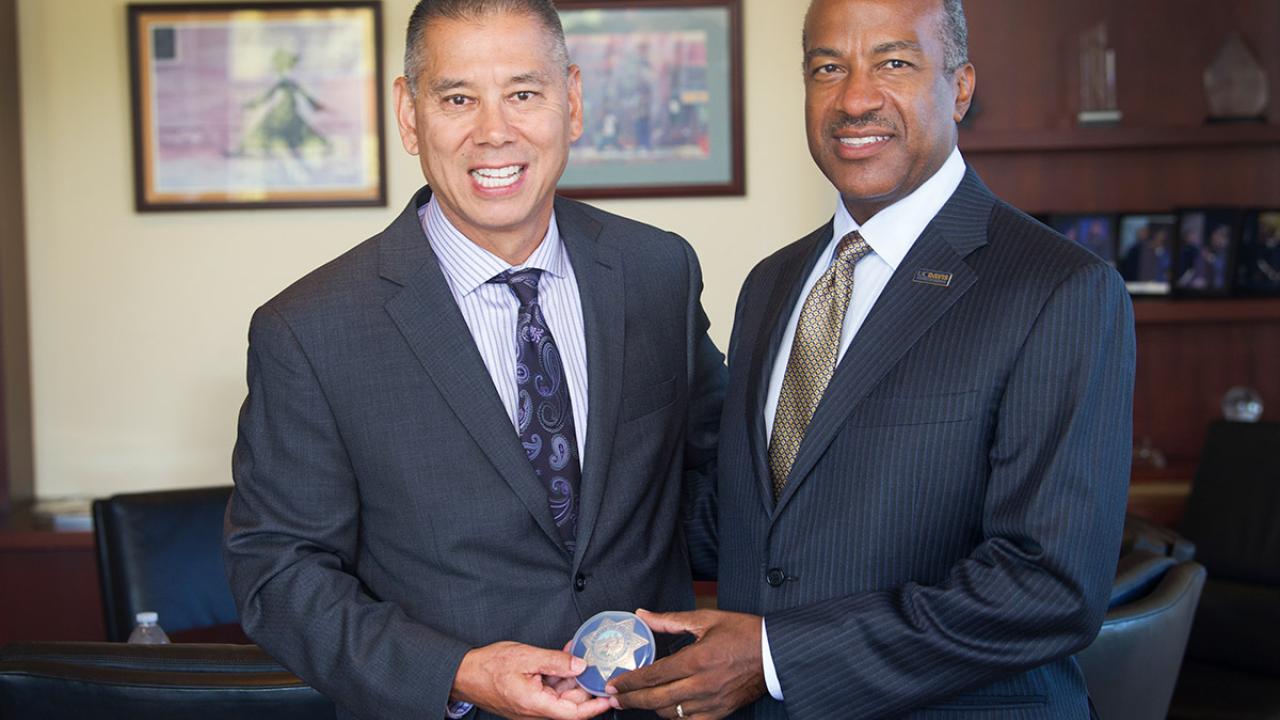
{"points": [[1097, 78], [1236, 84], [611, 643]]}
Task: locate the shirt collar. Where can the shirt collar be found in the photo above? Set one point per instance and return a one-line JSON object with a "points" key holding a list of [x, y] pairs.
{"points": [[892, 231], [469, 266]]}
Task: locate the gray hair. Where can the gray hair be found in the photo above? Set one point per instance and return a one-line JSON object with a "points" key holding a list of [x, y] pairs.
{"points": [[955, 36], [544, 11]]}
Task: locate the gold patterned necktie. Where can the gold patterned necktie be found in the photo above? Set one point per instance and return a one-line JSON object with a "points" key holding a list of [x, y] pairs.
{"points": [[813, 357]]}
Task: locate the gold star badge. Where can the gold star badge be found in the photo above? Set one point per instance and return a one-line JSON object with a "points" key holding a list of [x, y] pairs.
{"points": [[612, 646]]}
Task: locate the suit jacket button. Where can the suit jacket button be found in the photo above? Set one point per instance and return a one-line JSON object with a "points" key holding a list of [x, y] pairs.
{"points": [[580, 582], [775, 577]]}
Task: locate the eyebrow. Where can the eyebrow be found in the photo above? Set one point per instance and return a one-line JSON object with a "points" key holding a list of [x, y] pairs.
{"points": [[881, 49], [442, 86], [896, 46]]}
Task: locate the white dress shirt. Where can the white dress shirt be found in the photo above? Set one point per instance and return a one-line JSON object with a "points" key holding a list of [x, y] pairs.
{"points": [[891, 233], [490, 309]]}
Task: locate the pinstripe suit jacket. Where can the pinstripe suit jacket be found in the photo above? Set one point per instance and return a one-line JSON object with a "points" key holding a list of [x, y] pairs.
{"points": [[386, 518], [947, 537]]}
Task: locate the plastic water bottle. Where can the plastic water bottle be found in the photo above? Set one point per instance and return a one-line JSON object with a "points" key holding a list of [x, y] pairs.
{"points": [[147, 632]]}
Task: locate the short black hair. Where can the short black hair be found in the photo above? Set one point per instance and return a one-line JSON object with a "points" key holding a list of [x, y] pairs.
{"points": [[544, 11]]}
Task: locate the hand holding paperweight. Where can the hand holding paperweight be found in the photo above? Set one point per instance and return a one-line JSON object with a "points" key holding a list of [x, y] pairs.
{"points": [[611, 643]]}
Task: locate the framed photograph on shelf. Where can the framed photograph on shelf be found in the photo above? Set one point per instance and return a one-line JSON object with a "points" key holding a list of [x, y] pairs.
{"points": [[1145, 256], [1095, 233], [1204, 256], [662, 98], [257, 105], [1258, 255]]}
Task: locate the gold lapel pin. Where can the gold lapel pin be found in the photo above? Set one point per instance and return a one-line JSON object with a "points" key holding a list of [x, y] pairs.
{"points": [[932, 277]]}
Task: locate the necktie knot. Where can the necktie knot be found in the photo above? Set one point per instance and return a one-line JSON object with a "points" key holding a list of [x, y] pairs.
{"points": [[852, 248], [523, 284]]}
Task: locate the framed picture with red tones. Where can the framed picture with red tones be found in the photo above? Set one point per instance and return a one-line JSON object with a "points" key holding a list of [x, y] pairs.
{"points": [[662, 98], [257, 105]]}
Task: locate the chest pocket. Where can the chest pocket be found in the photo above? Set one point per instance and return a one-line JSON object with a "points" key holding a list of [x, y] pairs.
{"points": [[921, 410]]}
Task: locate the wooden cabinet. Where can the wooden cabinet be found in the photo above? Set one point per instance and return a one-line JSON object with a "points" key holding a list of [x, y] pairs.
{"points": [[1026, 143], [50, 583]]}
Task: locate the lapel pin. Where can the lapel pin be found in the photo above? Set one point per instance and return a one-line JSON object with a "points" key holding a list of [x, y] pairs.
{"points": [[932, 277]]}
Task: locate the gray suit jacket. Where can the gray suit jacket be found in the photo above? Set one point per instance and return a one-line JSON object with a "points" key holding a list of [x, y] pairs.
{"points": [[386, 519], [948, 534]]}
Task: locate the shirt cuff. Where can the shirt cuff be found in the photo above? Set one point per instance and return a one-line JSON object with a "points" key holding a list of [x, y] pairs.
{"points": [[770, 673], [457, 710]]}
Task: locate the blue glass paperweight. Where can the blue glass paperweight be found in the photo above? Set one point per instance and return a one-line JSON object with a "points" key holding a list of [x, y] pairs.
{"points": [[611, 643]]}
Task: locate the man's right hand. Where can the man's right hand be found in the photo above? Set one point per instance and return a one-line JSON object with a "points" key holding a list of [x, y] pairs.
{"points": [[517, 681]]}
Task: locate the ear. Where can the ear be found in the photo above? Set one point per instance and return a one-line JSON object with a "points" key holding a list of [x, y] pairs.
{"points": [[575, 103], [406, 116], [966, 81]]}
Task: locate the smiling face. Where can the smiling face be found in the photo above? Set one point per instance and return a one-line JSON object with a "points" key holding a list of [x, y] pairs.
{"points": [[491, 124], [880, 107]]}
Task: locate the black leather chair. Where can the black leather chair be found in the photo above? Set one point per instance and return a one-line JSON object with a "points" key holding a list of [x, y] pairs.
{"points": [[1232, 671], [1131, 668], [1142, 534], [162, 551], [115, 681]]}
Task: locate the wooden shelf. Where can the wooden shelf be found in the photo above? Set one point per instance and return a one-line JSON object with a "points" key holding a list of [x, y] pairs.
{"points": [[1117, 137], [1149, 311]]}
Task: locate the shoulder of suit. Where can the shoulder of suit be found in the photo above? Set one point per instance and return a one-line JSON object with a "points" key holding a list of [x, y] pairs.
{"points": [[626, 234], [1012, 231], [338, 282]]}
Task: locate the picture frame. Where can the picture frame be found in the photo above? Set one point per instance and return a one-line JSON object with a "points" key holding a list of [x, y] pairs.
{"points": [[1204, 262], [662, 97], [245, 105], [1258, 254], [1095, 232], [1146, 251]]}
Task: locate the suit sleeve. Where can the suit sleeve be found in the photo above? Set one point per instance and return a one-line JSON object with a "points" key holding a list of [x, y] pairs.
{"points": [[707, 379], [1035, 589], [291, 534]]}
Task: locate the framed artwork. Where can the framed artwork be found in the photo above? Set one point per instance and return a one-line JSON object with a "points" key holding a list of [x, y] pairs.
{"points": [[1096, 233], [257, 105], [1204, 258], [662, 98], [1258, 255], [1145, 257]]}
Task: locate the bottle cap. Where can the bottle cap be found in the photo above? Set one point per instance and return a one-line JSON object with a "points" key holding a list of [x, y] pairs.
{"points": [[148, 616]]}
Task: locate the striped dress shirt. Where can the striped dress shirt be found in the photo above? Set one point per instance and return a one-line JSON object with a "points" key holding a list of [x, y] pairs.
{"points": [[490, 309]]}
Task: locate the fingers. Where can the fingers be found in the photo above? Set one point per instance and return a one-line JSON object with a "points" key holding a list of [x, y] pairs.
{"points": [[555, 663], [674, 623], [663, 672], [546, 705], [661, 698]]}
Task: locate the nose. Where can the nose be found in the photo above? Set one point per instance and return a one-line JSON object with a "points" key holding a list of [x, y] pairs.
{"points": [[493, 127], [861, 94]]}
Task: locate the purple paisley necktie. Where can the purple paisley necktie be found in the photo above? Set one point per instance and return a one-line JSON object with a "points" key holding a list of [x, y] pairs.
{"points": [[544, 415]]}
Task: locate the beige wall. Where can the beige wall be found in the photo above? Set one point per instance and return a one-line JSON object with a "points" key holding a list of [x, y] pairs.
{"points": [[138, 321], [16, 392]]}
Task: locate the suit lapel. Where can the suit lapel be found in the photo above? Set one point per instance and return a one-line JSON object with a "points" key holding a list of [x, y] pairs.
{"points": [[430, 321], [905, 310], [772, 322], [598, 270]]}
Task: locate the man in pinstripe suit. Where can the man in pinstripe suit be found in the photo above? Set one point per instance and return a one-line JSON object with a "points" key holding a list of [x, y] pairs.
{"points": [[473, 431], [925, 443]]}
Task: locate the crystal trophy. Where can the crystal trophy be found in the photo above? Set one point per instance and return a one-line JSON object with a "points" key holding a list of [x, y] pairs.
{"points": [[1097, 78]]}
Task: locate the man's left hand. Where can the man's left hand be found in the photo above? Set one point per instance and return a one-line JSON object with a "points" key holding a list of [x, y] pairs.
{"points": [[717, 674]]}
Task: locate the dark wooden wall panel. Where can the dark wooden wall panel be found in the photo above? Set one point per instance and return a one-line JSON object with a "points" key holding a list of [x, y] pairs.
{"points": [[1027, 144]]}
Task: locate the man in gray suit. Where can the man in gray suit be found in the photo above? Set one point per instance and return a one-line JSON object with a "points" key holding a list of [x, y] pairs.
{"points": [[926, 437], [478, 428]]}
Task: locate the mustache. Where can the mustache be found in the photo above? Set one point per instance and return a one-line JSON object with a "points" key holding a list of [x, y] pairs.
{"points": [[845, 121]]}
